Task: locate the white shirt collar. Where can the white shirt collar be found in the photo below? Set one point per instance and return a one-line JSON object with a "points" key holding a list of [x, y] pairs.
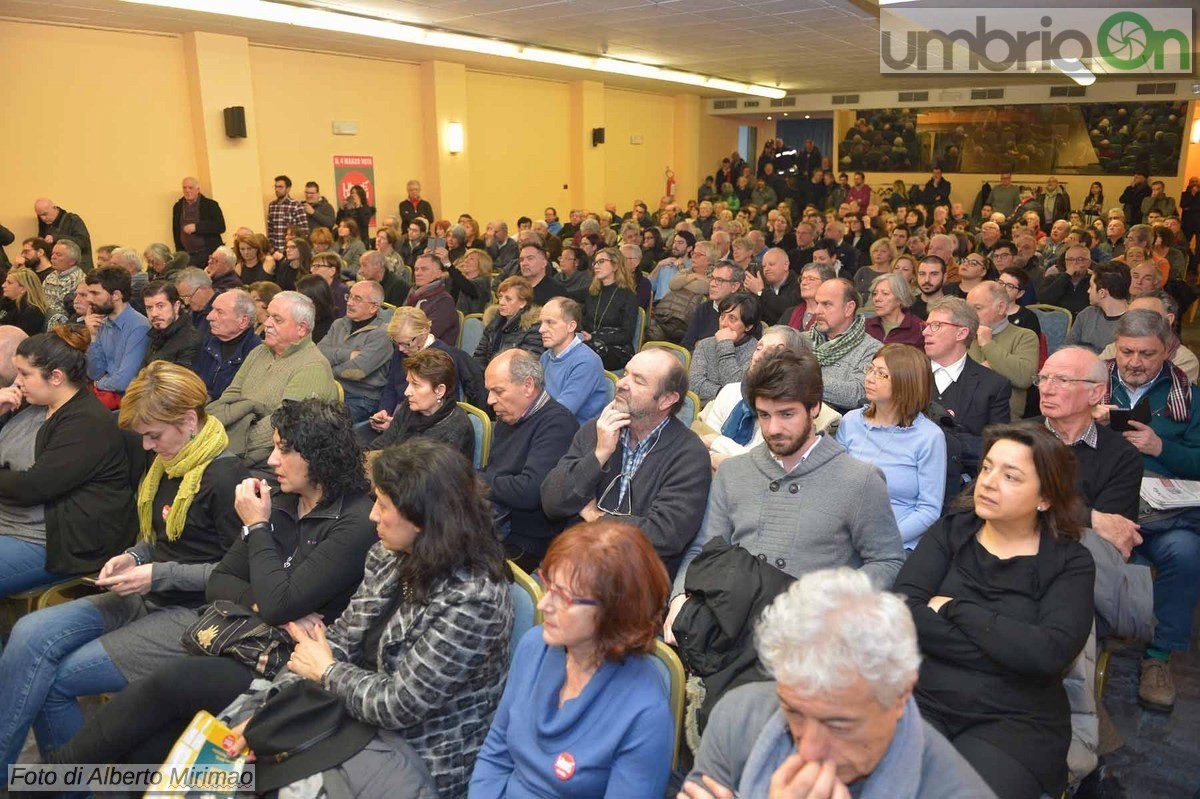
{"points": [[954, 370]]}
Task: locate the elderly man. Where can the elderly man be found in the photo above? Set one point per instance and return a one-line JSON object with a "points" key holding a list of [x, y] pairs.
{"points": [[172, 337], [776, 285], [802, 255], [371, 267], [574, 374], [1142, 377], [1143, 278], [637, 461], [1071, 289], [56, 224], [531, 434], [502, 249], [1008, 350], [841, 344], [1056, 242], [359, 349], [221, 269], [430, 295], [989, 234], [728, 425], [1164, 305], [840, 715], [196, 223], [119, 334], [197, 294], [973, 394], [229, 341], [287, 366], [59, 286], [414, 206]]}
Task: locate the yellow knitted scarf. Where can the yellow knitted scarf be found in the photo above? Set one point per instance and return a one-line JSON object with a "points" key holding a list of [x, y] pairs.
{"points": [[191, 462]]}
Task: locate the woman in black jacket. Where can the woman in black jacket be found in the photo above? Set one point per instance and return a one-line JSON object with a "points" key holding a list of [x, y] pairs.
{"points": [[610, 314], [429, 409], [79, 473], [299, 559], [356, 207], [99, 643], [1002, 596], [24, 303], [515, 322]]}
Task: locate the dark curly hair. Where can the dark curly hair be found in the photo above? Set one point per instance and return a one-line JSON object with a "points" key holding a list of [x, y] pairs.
{"points": [[322, 432], [435, 488]]}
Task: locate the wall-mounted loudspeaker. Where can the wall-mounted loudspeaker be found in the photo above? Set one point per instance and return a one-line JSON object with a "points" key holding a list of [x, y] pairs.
{"points": [[597, 136], [235, 122]]}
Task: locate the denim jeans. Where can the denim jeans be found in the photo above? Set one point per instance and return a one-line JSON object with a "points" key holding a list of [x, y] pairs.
{"points": [[1172, 546], [52, 657], [361, 408], [23, 566]]}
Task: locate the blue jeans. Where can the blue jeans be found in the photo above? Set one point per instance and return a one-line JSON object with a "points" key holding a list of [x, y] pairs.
{"points": [[1172, 546], [23, 566], [361, 408], [52, 657]]}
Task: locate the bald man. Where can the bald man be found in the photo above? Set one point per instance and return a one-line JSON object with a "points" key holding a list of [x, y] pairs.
{"points": [[54, 223], [197, 224]]}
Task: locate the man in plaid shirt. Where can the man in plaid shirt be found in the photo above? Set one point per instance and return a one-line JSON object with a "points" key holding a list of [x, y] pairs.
{"points": [[282, 213]]}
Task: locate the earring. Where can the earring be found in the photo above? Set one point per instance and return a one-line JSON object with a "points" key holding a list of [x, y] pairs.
{"points": [[1041, 508]]}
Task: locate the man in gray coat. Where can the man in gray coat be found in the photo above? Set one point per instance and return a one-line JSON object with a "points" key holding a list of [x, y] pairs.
{"points": [[798, 500], [840, 716], [359, 350]]}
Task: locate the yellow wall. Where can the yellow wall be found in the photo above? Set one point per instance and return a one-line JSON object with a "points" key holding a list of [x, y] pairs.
{"points": [[99, 122], [298, 95], [636, 171], [518, 133], [718, 138]]}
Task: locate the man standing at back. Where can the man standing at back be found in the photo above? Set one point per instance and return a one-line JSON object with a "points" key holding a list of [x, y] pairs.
{"points": [[317, 210], [414, 206], [282, 213], [196, 223], [54, 224]]}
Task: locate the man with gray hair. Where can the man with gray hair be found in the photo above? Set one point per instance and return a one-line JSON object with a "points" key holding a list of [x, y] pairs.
{"points": [[196, 223], [56, 224], [229, 341], [1165, 306], [969, 391], [221, 269], [372, 267], [721, 280], [1008, 350], [287, 366], [1143, 383], [359, 349], [128, 259], [531, 434], [728, 425], [503, 250], [840, 714], [59, 286]]}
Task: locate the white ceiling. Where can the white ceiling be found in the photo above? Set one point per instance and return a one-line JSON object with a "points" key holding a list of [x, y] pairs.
{"points": [[800, 45]]}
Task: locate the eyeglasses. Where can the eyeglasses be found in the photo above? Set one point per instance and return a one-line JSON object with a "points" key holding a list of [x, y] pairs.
{"points": [[876, 372], [936, 327], [1059, 381], [1010, 286], [560, 594], [975, 262], [712, 279], [599, 261], [1079, 260], [356, 299]]}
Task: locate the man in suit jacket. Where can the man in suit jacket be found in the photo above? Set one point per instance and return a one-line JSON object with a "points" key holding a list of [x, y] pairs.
{"points": [[975, 395]]}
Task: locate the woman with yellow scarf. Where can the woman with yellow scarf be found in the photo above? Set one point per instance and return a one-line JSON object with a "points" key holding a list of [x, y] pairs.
{"points": [[187, 521]]}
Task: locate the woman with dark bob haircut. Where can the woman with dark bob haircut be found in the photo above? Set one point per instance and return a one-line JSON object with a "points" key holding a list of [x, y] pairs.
{"points": [[298, 559], [584, 677], [429, 409], [422, 650], [66, 492], [1002, 596]]}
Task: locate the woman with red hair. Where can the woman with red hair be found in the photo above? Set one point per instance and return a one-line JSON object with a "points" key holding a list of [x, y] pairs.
{"points": [[585, 712]]}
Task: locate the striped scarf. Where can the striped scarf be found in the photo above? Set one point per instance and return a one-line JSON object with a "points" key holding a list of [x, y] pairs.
{"points": [[833, 350], [1179, 397]]}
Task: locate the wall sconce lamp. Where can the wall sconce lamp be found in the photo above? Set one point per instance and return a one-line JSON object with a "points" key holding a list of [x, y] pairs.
{"points": [[454, 137]]}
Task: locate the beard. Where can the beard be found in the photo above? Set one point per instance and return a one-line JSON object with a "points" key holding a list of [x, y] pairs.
{"points": [[103, 310], [782, 446]]}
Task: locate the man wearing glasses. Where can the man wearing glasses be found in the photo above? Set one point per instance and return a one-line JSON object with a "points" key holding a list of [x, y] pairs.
{"points": [[1070, 290], [1143, 377], [723, 279], [637, 461], [359, 349], [975, 395]]}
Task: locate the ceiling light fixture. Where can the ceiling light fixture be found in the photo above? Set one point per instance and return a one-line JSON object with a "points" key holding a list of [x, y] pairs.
{"points": [[333, 21], [1074, 69]]}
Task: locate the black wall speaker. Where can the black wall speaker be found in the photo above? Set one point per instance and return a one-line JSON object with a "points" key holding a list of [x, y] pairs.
{"points": [[235, 122], [597, 136]]}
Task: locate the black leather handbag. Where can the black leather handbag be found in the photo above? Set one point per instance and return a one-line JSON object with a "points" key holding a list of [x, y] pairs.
{"points": [[228, 629]]}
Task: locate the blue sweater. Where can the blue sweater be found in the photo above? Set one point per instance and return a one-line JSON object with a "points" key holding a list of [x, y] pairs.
{"points": [[616, 735], [576, 379], [913, 459]]}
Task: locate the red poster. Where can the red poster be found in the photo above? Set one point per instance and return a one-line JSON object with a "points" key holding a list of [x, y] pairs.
{"points": [[354, 170]]}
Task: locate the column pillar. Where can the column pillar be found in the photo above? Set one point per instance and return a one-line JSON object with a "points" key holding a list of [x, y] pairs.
{"points": [[685, 150], [218, 72], [444, 100], [587, 161]]}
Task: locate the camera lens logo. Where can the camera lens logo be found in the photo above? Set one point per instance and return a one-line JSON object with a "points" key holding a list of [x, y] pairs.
{"points": [[1127, 40]]}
